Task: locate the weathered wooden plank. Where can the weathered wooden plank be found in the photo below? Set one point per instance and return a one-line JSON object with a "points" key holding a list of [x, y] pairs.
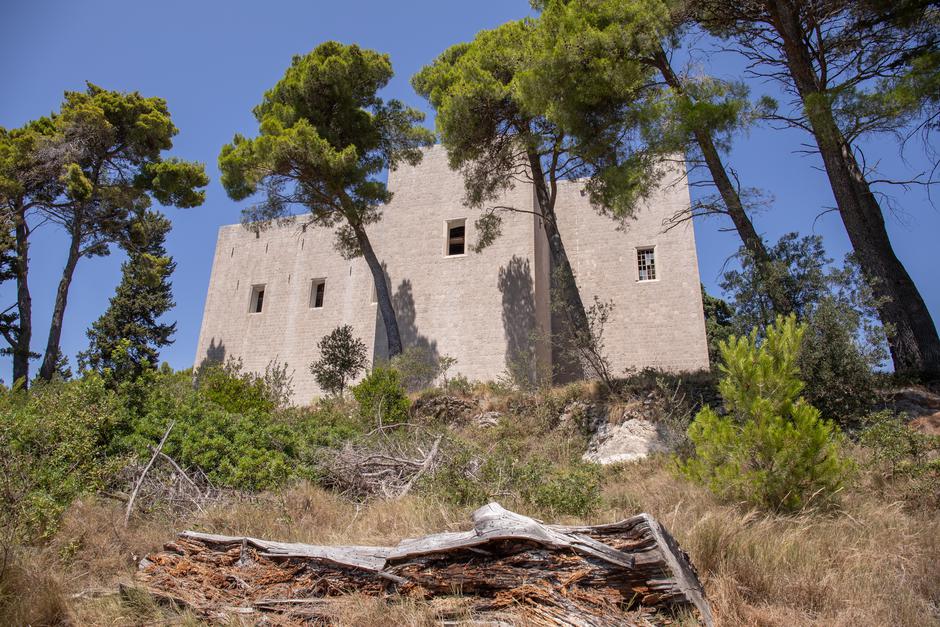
{"points": [[589, 575]]}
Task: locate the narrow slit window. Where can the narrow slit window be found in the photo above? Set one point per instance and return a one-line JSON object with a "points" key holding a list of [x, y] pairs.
{"points": [[456, 237], [646, 263], [256, 305], [317, 292]]}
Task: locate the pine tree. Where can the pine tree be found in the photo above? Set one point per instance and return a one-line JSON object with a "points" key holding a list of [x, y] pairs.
{"points": [[325, 137], [126, 339], [769, 446]]}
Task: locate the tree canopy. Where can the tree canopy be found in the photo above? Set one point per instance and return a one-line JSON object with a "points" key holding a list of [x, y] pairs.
{"points": [[518, 105], [128, 336], [106, 147], [324, 138]]}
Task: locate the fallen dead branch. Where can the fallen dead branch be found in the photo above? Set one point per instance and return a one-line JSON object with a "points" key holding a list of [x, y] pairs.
{"points": [[622, 573], [143, 474], [380, 466], [170, 489]]}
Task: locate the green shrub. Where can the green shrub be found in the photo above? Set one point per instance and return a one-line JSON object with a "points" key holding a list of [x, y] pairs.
{"points": [[53, 448], [472, 476], [458, 385], [573, 490], [772, 449], [420, 367], [228, 427], [342, 358], [900, 452], [381, 396], [233, 390], [223, 427]]}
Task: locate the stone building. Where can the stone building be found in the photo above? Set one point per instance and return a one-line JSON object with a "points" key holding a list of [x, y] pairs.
{"points": [[273, 295]]}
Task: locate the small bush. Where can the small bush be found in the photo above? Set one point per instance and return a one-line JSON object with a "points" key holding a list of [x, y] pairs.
{"points": [[459, 385], [420, 367], [573, 490], [382, 397], [342, 357], [771, 449], [232, 389], [902, 454], [472, 476], [53, 447]]}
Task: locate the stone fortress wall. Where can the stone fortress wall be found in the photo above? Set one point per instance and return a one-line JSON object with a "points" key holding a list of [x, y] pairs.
{"points": [[484, 309]]}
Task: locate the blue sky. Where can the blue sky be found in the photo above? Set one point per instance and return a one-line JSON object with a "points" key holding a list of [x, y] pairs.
{"points": [[212, 61]]}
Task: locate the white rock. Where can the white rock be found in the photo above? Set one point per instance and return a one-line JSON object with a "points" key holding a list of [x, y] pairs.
{"points": [[627, 442]]}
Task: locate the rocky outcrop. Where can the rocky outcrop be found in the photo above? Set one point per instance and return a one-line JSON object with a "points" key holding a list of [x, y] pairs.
{"points": [[626, 442], [921, 406]]}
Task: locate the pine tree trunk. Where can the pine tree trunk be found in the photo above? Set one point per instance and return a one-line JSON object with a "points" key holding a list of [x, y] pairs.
{"points": [[914, 343], [47, 370], [24, 303], [753, 243], [382, 294]]}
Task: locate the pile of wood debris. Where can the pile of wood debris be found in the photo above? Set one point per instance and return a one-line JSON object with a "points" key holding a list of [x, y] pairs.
{"points": [[510, 568]]}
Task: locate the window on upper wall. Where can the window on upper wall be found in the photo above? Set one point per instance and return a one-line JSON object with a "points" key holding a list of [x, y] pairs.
{"points": [[646, 263], [456, 243], [317, 292], [256, 304]]}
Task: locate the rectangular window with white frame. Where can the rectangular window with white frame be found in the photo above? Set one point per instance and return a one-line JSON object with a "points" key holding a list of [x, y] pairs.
{"points": [[646, 263], [317, 293], [455, 242], [256, 303]]}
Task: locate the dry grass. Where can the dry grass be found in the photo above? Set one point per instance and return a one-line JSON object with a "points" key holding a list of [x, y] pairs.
{"points": [[872, 563]]}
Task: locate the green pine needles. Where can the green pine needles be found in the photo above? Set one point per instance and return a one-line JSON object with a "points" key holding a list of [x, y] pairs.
{"points": [[127, 338], [771, 448]]}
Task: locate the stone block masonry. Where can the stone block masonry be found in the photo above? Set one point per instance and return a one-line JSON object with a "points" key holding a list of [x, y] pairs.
{"points": [[488, 310]]}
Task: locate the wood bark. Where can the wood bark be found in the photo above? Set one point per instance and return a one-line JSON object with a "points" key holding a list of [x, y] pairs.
{"points": [[382, 294], [24, 303], [914, 343], [753, 242], [614, 574], [47, 370]]}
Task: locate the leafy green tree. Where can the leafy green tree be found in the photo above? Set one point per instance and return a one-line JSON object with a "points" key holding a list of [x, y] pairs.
{"points": [[342, 357], [679, 114], [26, 182], [512, 108], [844, 342], [128, 337], [796, 266], [106, 148], [853, 72], [771, 448], [324, 138]]}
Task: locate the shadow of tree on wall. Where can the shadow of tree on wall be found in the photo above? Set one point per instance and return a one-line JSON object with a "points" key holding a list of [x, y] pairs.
{"points": [[215, 354], [519, 320], [380, 341], [403, 302]]}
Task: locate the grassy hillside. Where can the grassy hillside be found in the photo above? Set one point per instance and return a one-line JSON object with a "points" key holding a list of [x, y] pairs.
{"points": [[869, 557]]}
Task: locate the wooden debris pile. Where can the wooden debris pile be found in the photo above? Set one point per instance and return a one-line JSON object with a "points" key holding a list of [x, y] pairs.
{"points": [[385, 467], [624, 573]]}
